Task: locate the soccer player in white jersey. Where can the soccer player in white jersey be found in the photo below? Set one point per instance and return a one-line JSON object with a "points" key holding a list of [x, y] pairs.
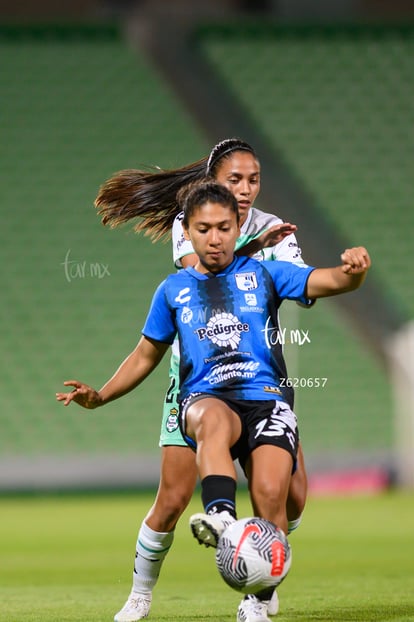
{"points": [[151, 197], [233, 416]]}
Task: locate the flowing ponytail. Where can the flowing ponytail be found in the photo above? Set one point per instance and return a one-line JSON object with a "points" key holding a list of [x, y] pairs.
{"points": [[150, 196]]}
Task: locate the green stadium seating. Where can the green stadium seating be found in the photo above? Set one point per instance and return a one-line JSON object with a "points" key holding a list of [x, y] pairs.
{"points": [[337, 104], [78, 106], [75, 109]]}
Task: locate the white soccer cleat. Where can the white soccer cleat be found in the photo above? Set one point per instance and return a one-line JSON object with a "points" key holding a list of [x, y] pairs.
{"points": [[251, 609], [273, 606], [207, 528], [136, 608]]}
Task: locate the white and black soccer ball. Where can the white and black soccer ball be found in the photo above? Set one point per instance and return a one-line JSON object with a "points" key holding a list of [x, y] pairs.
{"points": [[253, 555]]}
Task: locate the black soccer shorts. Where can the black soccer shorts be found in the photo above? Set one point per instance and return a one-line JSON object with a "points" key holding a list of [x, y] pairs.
{"points": [[264, 422]]}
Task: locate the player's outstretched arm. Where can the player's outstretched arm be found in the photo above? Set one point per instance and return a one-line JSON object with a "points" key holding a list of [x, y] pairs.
{"points": [[344, 278], [132, 371]]}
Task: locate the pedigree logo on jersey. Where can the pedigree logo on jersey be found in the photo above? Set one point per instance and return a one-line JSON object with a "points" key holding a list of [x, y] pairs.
{"points": [[224, 330], [246, 281]]}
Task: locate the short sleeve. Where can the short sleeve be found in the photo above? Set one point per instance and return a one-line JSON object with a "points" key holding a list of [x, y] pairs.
{"points": [[159, 324], [288, 249], [290, 280]]}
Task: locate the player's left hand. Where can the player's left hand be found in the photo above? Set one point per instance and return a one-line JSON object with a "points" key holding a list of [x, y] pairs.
{"points": [[355, 260]]}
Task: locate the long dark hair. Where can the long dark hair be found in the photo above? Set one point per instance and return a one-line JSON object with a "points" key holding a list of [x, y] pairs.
{"points": [[150, 196]]}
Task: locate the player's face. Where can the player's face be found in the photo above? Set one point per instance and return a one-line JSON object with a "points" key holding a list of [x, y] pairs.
{"points": [[213, 231], [240, 173]]}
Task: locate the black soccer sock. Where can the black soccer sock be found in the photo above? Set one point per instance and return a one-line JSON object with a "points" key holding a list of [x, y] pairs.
{"points": [[218, 493], [265, 594]]}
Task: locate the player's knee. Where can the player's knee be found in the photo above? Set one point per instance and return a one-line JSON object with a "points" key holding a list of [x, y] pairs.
{"points": [[269, 499]]}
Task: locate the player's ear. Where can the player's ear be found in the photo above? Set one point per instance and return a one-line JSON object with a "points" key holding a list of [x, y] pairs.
{"points": [[186, 234]]}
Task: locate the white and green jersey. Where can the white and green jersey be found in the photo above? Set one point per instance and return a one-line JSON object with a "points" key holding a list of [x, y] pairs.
{"points": [[256, 223]]}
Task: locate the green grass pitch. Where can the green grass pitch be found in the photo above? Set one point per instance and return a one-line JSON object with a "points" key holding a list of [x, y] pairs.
{"points": [[68, 558]]}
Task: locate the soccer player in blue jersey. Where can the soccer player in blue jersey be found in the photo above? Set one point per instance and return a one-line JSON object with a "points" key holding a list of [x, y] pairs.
{"points": [[149, 198], [224, 310]]}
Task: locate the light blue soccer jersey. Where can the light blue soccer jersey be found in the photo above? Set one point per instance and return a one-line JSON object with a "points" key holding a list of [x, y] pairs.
{"points": [[227, 326]]}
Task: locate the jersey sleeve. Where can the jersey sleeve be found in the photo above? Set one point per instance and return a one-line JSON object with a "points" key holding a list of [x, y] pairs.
{"points": [[159, 324], [290, 280], [180, 246], [288, 249]]}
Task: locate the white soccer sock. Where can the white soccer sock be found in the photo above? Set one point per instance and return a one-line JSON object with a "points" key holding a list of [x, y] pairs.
{"points": [[294, 524], [152, 547]]}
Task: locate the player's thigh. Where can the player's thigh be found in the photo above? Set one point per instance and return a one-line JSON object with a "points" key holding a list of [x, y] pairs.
{"points": [[211, 419]]}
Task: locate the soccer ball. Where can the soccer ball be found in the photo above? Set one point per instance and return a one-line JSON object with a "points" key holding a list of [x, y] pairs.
{"points": [[253, 555]]}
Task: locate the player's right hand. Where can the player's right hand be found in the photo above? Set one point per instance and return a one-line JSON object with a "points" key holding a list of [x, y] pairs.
{"points": [[82, 394], [275, 234]]}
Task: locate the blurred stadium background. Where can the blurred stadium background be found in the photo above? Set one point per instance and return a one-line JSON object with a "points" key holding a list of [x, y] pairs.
{"points": [[325, 94]]}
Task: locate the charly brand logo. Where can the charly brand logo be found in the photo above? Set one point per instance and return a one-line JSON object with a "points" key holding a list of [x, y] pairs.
{"points": [[224, 330], [281, 336], [76, 269], [183, 296]]}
